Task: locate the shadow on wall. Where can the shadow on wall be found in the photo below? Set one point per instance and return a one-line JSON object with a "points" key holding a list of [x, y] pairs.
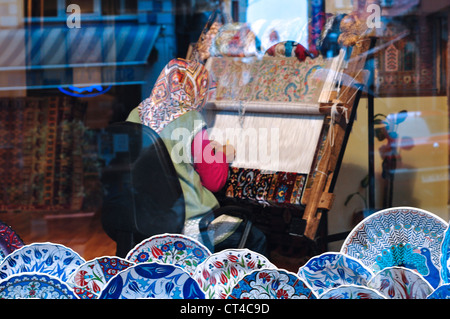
{"points": [[343, 216]]}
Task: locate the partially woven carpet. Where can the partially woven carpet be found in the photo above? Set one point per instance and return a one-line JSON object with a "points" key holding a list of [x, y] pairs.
{"points": [[41, 162], [270, 187]]}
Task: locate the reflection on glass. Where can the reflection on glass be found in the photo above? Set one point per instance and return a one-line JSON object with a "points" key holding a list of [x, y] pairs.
{"points": [[41, 8], [86, 6], [60, 88]]}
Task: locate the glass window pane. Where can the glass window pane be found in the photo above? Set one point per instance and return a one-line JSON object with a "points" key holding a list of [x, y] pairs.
{"points": [[111, 7], [290, 67], [40, 8], [130, 7], [116, 7], [86, 6]]}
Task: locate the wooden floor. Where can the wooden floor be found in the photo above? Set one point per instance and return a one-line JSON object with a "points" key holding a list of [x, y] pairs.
{"points": [[80, 231]]}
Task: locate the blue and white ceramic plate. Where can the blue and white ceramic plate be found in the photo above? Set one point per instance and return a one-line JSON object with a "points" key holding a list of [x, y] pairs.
{"points": [[271, 284], [445, 258], [441, 292], [90, 278], [152, 281], [400, 283], [171, 249], [330, 270], [352, 292], [46, 258], [404, 236], [34, 286]]}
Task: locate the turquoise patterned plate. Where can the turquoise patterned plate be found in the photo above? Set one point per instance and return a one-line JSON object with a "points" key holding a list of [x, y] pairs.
{"points": [[403, 236]]}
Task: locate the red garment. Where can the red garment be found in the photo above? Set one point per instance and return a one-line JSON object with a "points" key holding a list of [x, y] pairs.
{"points": [[212, 167]]}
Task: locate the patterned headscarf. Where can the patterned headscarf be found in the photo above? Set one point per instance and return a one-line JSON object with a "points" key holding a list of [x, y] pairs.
{"points": [[182, 86]]}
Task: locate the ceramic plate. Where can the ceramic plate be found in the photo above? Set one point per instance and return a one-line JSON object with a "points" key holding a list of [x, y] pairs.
{"points": [[400, 283], [441, 292], [171, 249], [46, 258], [152, 281], [445, 258], [34, 286], [221, 271], [83, 293], [352, 292], [404, 236], [271, 284], [9, 241], [331, 270], [91, 277]]}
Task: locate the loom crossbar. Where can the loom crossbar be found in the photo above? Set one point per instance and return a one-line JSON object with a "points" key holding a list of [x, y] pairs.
{"points": [[318, 197]]}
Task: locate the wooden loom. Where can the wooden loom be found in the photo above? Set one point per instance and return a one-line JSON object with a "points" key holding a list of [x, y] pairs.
{"points": [[337, 115]]}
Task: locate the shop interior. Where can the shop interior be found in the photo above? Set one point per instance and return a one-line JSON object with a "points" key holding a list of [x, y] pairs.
{"points": [[390, 150]]}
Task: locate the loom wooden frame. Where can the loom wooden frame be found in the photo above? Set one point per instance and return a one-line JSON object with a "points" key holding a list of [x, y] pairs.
{"points": [[318, 198]]}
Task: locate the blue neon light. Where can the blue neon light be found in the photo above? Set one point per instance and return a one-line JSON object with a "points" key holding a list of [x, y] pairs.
{"points": [[88, 91]]}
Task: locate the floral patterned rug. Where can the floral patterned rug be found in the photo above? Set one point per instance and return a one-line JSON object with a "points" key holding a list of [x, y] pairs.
{"points": [[41, 162]]}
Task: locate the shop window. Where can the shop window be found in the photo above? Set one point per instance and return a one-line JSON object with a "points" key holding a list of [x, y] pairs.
{"points": [[86, 6], [62, 86], [235, 10], [276, 21], [40, 8], [117, 7]]}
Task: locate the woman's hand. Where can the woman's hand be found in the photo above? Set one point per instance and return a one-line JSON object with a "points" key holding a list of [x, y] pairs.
{"points": [[227, 149], [230, 152]]}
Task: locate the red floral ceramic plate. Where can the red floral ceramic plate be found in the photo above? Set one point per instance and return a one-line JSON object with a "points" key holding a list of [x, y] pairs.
{"points": [[221, 271], [9, 240], [400, 283], [173, 249], [271, 284], [90, 278]]}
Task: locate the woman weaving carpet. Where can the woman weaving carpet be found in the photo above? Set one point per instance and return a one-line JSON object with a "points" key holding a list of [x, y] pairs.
{"points": [[173, 111]]}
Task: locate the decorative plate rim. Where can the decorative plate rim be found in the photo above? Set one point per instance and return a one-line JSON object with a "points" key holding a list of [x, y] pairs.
{"points": [[198, 272], [16, 235], [165, 235], [339, 254], [278, 270], [23, 248], [342, 255], [444, 272], [403, 269], [143, 265], [102, 257], [382, 212], [72, 283], [363, 241], [445, 286], [50, 244], [352, 286], [64, 285]]}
